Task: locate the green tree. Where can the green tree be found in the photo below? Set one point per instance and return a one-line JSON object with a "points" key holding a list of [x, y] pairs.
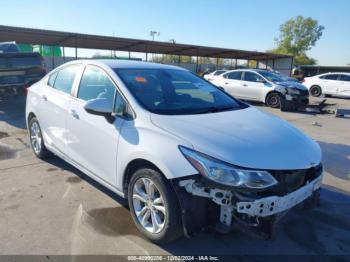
{"points": [[297, 36]]}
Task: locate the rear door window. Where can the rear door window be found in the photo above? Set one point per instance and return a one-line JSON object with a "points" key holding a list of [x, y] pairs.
{"points": [[330, 77], [234, 75], [65, 78], [252, 77]]}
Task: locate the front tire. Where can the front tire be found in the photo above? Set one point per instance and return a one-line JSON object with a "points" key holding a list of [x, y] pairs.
{"points": [[36, 139], [154, 206], [315, 91], [273, 100]]}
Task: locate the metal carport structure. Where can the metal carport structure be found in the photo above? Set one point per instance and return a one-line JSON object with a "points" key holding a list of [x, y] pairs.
{"points": [[89, 41]]}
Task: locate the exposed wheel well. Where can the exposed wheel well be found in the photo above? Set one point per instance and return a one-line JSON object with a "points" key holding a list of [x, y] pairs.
{"points": [[132, 167], [30, 116]]}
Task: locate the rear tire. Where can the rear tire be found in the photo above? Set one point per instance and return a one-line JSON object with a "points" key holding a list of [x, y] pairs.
{"points": [[163, 207], [36, 139], [273, 100], [315, 91]]}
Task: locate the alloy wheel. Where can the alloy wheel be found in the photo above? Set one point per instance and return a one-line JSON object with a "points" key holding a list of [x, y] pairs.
{"points": [[274, 101], [315, 91], [35, 137], [149, 205]]}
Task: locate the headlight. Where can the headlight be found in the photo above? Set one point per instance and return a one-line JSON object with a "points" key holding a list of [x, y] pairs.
{"points": [[293, 91], [227, 174]]}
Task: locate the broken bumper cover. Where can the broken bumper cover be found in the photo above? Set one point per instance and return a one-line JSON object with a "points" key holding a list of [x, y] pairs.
{"points": [[268, 206], [204, 203]]}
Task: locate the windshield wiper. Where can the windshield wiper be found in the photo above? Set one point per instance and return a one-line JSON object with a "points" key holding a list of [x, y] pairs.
{"points": [[215, 109]]}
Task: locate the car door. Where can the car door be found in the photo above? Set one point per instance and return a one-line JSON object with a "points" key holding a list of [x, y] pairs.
{"points": [[329, 83], [93, 140], [54, 106], [252, 86], [344, 85], [231, 83]]}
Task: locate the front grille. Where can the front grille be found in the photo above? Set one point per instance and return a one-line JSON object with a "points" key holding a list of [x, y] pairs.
{"points": [[291, 180]]}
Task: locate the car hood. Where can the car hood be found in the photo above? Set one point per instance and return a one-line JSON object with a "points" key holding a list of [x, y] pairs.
{"points": [[292, 84], [247, 138]]}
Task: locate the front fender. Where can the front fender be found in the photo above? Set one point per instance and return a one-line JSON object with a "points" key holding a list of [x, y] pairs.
{"points": [[154, 145]]}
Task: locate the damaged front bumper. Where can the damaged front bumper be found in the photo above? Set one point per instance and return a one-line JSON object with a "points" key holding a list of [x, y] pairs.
{"points": [[202, 204], [268, 206]]}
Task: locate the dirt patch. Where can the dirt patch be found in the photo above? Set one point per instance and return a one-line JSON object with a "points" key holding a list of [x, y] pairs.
{"points": [[12, 207], [7, 152], [74, 180], [51, 169], [3, 134], [12, 195], [111, 221], [23, 142]]}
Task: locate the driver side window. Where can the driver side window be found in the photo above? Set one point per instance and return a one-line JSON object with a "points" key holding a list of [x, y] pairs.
{"points": [[95, 83]]}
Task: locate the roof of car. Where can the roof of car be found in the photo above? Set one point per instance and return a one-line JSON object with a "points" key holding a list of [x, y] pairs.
{"points": [[131, 64], [251, 70], [347, 73]]}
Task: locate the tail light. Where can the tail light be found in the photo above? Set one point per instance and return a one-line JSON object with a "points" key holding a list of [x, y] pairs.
{"points": [[25, 91]]}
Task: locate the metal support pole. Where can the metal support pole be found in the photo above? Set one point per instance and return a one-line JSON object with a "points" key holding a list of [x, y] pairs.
{"points": [[179, 59], [76, 49], [52, 57], [236, 63], [197, 61], [248, 61], [129, 54], [146, 51], [266, 64], [64, 54], [291, 67]]}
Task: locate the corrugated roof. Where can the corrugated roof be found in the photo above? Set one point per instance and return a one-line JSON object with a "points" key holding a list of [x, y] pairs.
{"points": [[68, 39]]}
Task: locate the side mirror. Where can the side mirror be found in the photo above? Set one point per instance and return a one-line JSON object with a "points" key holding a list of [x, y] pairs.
{"points": [[100, 107]]}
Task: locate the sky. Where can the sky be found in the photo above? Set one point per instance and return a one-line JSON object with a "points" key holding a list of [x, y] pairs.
{"points": [[247, 25]]}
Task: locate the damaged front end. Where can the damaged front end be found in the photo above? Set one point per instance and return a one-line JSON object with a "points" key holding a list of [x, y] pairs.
{"points": [[204, 202]]}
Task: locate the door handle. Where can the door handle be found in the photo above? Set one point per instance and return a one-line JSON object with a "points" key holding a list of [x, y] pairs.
{"points": [[44, 97], [244, 85], [74, 114], [226, 83]]}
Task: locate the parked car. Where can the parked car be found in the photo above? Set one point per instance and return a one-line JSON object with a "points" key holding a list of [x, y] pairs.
{"points": [[329, 84], [211, 75], [19, 69], [183, 152], [263, 86]]}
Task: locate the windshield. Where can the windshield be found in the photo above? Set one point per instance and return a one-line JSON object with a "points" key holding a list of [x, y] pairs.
{"points": [[273, 77], [176, 92], [8, 48], [219, 72]]}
